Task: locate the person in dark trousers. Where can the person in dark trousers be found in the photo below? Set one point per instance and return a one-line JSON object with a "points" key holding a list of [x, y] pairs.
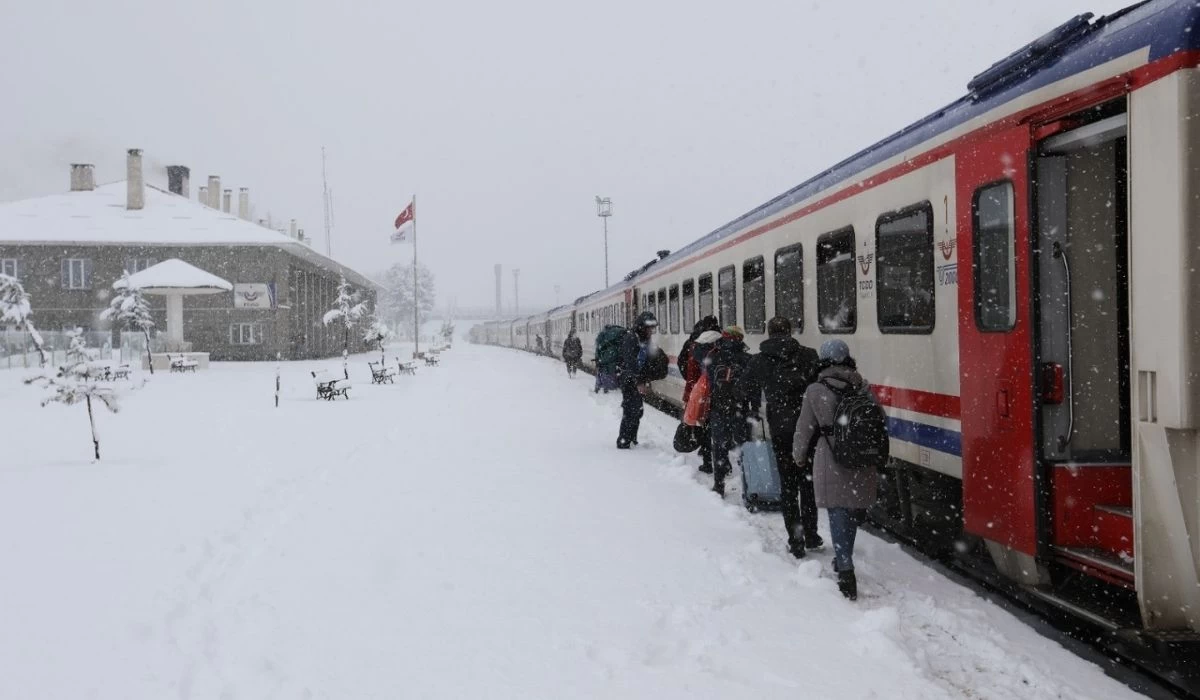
{"points": [[782, 371], [572, 352], [845, 491], [728, 411], [540, 347], [706, 332], [635, 349]]}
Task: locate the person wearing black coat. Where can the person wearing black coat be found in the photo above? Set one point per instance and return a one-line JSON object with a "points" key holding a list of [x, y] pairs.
{"points": [[572, 352], [782, 371], [635, 349], [728, 409]]}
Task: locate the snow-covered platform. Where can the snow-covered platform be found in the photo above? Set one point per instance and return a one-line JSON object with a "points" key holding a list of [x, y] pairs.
{"points": [[466, 532]]}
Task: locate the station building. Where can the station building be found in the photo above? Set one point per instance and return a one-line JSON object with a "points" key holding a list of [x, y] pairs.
{"points": [[68, 250]]}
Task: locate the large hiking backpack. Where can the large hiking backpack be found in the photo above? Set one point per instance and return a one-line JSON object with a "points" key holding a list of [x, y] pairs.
{"points": [[608, 347], [858, 437]]}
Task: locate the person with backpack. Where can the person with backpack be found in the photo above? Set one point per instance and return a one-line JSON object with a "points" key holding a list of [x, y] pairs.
{"points": [[608, 350], [691, 365], [728, 410], [782, 371], [572, 352], [634, 372], [844, 430]]}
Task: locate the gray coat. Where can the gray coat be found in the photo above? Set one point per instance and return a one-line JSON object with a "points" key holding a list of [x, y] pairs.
{"points": [[836, 486]]}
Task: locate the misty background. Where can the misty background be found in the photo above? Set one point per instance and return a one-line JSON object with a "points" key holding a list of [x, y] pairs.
{"points": [[504, 119]]}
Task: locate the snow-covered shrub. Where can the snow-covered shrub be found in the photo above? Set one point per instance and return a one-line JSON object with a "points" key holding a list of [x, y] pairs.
{"points": [[75, 382], [15, 309], [129, 308]]}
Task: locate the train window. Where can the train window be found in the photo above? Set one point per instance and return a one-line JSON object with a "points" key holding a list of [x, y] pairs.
{"points": [[661, 314], [837, 303], [673, 309], [789, 285], [904, 294], [994, 260], [754, 295], [727, 295], [689, 305], [705, 295]]}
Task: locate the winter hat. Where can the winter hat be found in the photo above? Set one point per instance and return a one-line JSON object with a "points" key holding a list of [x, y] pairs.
{"points": [[735, 331], [646, 320], [708, 323], [834, 351]]}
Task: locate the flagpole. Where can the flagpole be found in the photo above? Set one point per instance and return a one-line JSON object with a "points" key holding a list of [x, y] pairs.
{"points": [[416, 286]]}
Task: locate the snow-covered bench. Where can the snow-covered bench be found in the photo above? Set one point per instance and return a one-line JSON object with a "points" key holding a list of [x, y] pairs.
{"points": [[431, 359], [329, 387], [118, 372], [406, 367], [182, 363], [380, 373]]}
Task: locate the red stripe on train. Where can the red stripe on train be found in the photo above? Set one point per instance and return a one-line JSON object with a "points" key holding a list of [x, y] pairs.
{"points": [[929, 403]]}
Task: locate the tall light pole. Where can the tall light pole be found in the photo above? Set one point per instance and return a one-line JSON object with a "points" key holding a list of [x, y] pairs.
{"points": [[516, 292], [604, 210]]}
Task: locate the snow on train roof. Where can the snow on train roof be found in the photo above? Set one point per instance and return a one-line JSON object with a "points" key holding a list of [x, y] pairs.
{"points": [[1164, 27], [99, 217]]}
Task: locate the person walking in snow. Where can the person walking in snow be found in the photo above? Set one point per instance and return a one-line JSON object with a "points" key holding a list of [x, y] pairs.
{"points": [[541, 348], [728, 410], [845, 491], [781, 372], [636, 347], [608, 351], [572, 352], [705, 333]]}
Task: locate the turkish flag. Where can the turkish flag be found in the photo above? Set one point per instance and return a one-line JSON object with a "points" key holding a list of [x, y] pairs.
{"points": [[409, 214]]}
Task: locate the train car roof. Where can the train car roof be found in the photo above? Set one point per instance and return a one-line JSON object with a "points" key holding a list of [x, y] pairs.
{"points": [[1163, 26]]}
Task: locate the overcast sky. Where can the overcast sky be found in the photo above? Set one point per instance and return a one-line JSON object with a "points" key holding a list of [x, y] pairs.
{"points": [[505, 119]]}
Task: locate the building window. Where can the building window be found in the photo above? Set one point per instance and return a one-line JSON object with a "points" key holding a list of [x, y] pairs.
{"points": [[8, 266], [995, 261], [727, 295], [133, 265], [789, 285], [837, 304], [754, 295], [705, 295], [904, 275], [689, 306], [77, 273], [673, 308], [245, 333]]}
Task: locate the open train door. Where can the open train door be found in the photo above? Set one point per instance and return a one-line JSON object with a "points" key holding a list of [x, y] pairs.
{"points": [[1000, 476]]}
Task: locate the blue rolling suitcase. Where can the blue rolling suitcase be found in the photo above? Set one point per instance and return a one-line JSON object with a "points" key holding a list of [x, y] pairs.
{"points": [[760, 476]]}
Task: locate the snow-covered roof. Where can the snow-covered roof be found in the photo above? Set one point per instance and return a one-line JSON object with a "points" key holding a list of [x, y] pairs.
{"points": [[175, 275], [99, 217]]}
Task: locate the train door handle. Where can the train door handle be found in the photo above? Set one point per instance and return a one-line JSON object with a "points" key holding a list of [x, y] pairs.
{"points": [[1003, 405]]}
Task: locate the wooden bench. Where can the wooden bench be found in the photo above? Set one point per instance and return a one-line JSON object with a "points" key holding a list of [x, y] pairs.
{"points": [[380, 373], [329, 387], [406, 367], [431, 359], [118, 372], [181, 363]]}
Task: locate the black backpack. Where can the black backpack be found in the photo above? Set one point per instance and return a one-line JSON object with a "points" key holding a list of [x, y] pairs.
{"points": [[656, 366], [858, 437], [723, 379]]}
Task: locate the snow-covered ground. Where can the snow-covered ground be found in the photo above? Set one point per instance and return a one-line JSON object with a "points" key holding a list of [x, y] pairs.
{"points": [[467, 532]]}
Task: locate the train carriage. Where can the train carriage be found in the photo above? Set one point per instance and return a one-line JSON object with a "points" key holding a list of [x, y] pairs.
{"points": [[1014, 274]]}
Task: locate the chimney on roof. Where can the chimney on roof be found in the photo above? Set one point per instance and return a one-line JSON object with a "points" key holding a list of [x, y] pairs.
{"points": [[244, 203], [214, 191], [179, 180], [135, 197], [226, 201], [292, 228], [204, 195], [83, 177], [300, 236]]}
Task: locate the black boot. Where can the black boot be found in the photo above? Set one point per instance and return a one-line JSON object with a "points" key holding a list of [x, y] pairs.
{"points": [[796, 547], [622, 444], [719, 488], [814, 542], [848, 584]]}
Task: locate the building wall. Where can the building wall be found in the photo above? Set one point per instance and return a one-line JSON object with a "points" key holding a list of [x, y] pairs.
{"points": [[293, 333]]}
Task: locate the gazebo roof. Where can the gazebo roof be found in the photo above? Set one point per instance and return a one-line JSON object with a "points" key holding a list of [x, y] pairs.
{"points": [[174, 276]]}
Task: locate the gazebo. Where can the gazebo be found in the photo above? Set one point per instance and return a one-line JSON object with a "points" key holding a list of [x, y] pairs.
{"points": [[175, 279]]}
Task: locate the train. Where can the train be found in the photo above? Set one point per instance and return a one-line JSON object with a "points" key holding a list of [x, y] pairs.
{"points": [[1014, 275]]}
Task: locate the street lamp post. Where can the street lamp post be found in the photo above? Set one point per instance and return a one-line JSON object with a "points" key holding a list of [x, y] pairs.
{"points": [[604, 210]]}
